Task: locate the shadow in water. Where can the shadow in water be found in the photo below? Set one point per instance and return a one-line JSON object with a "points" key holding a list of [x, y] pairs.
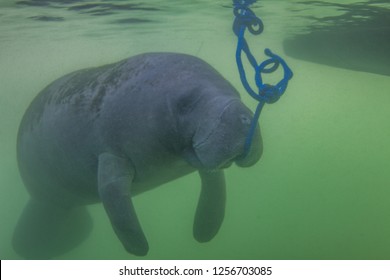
{"points": [[359, 39]]}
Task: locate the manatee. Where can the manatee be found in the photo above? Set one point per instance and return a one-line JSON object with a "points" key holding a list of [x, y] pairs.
{"points": [[108, 133]]}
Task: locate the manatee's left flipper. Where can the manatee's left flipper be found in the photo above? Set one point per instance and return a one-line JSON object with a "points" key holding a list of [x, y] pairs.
{"points": [[115, 176], [211, 205]]}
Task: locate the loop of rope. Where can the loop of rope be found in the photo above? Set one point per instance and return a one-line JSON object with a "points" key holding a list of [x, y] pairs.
{"points": [[245, 18]]}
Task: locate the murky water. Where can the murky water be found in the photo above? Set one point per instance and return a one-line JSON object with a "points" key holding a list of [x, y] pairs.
{"points": [[322, 187]]}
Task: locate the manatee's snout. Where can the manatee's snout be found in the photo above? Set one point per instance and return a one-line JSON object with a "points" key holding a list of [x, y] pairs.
{"points": [[224, 142], [253, 156], [255, 150]]}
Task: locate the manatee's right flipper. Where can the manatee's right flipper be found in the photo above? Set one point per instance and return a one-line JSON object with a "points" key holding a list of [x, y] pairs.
{"points": [[211, 205], [115, 176], [46, 230]]}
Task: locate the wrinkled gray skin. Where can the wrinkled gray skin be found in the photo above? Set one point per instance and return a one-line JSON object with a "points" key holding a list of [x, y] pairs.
{"points": [[108, 133]]}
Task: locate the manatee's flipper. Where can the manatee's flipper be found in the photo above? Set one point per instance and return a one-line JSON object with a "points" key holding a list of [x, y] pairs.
{"points": [[115, 176], [211, 205], [47, 230]]}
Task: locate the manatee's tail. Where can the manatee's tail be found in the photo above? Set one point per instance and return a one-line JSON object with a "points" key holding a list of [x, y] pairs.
{"points": [[45, 231]]}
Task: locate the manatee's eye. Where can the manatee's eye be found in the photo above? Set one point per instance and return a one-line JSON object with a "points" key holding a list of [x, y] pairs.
{"points": [[245, 119], [188, 100]]}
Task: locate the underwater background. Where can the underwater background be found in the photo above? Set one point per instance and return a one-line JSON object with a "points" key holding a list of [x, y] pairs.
{"points": [[322, 187]]}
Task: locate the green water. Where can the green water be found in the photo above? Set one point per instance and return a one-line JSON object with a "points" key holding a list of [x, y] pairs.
{"points": [[322, 187]]}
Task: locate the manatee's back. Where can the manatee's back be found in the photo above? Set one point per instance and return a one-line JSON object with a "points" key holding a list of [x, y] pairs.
{"points": [[55, 145]]}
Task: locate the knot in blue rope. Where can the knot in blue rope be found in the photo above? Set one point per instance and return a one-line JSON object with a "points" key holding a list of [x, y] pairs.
{"points": [[271, 93], [245, 18]]}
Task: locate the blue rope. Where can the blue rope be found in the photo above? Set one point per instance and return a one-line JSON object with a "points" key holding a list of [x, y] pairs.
{"points": [[266, 93]]}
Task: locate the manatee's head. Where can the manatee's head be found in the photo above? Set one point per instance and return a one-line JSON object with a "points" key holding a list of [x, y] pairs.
{"points": [[220, 137]]}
